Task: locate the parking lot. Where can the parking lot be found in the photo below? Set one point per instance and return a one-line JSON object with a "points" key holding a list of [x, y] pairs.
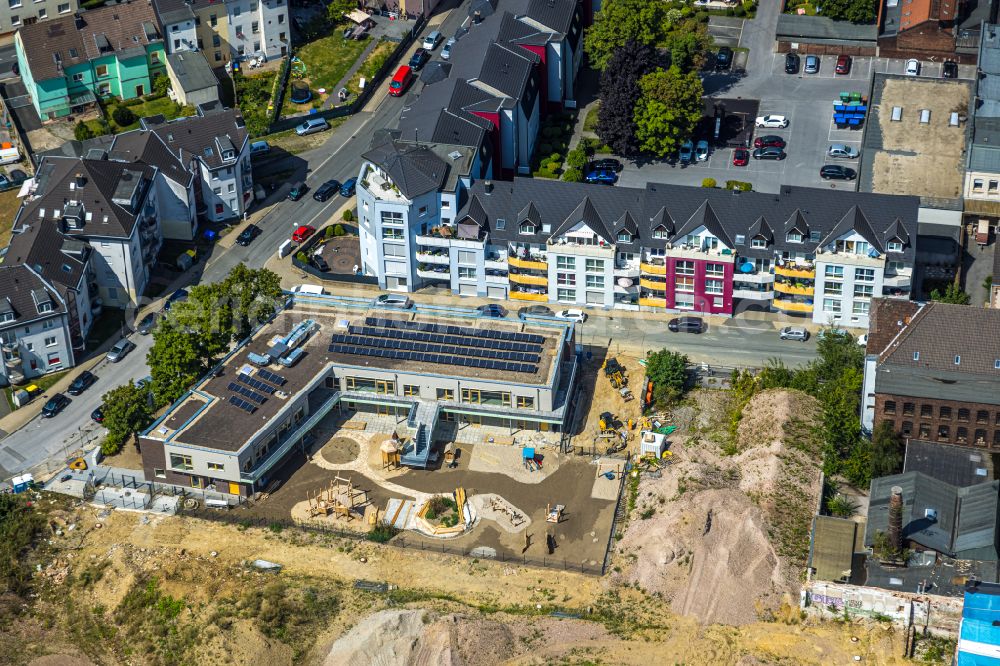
{"points": [[805, 99]]}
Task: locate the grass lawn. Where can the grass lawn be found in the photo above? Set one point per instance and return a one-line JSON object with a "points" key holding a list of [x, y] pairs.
{"points": [[108, 325], [374, 62], [294, 144], [327, 60], [9, 203], [43, 382], [160, 106]]}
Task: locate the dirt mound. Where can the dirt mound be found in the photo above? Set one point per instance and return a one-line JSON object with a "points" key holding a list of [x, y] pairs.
{"points": [[391, 638]]}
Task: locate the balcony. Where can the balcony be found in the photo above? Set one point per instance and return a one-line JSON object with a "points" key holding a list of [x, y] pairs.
{"points": [[581, 250], [798, 289], [653, 269], [806, 271], [849, 259], [701, 253], [433, 272], [437, 257], [536, 262], [753, 294], [433, 241], [496, 277], [381, 188], [526, 296], [653, 302], [626, 270], [522, 278], [450, 235], [652, 284], [758, 277], [792, 306], [496, 264]]}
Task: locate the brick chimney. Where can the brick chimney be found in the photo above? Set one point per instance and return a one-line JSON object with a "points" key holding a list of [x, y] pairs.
{"points": [[896, 519]]}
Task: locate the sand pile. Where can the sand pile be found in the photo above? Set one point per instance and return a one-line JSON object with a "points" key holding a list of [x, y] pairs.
{"points": [[392, 638]]}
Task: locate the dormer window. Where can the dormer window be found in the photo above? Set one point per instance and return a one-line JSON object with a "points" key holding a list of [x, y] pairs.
{"points": [[624, 237], [501, 224], [660, 232], [526, 228], [229, 155], [894, 246], [916, 356], [793, 237], [758, 242], [45, 307], [7, 316], [958, 360], [209, 152]]}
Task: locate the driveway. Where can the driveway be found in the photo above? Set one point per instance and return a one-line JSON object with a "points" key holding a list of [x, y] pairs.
{"points": [[725, 30]]}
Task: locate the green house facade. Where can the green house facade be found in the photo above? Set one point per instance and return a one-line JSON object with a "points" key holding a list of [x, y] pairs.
{"points": [[68, 63]]}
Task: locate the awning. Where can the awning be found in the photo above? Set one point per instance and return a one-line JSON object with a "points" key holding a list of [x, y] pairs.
{"points": [[358, 16], [26, 187], [977, 207]]}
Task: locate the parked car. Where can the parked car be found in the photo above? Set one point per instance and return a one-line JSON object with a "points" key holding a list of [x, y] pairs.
{"points": [[446, 51], [768, 141], [401, 80], [328, 189], [607, 164], [176, 297], [843, 151], [534, 311], [298, 191], [791, 63], [601, 177], [741, 157], [685, 325], [837, 172], [393, 301], [862, 340], [419, 59], [686, 152], [98, 414], [302, 233], [573, 315], [843, 64], [147, 323], [492, 310], [771, 153], [701, 151], [432, 40], [5, 182], [17, 176], [794, 333], [772, 121], [259, 148], [83, 381], [347, 189], [812, 65], [120, 350], [247, 235], [724, 59], [320, 263], [833, 332], [56, 404], [312, 126], [912, 67], [949, 69], [145, 383]]}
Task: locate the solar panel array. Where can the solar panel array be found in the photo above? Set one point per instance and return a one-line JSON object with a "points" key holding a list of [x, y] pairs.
{"points": [[367, 338], [404, 355], [272, 377], [455, 330], [247, 393], [256, 383], [237, 401], [447, 339]]}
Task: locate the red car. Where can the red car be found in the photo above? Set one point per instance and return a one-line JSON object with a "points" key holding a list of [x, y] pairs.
{"points": [[844, 64], [769, 141], [741, 157], [302, 233], [401, 81]]}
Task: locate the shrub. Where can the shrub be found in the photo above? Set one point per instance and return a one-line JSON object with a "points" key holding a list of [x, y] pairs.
{"points": [[544, 148], [328, 232], [555, 157], [110, 447], [122, 115], [301, 257], [338, 230], [701, 17], [738, 185], [708, 182], [573, 175], [576, 158], [161, 84], [382, 533], [348, 215], [551, 132], [730, 12], [82, 131], [739, 11]]}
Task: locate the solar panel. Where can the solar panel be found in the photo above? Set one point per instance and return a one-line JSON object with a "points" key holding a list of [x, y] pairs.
{"points": [[242, 404], [257, 384]]}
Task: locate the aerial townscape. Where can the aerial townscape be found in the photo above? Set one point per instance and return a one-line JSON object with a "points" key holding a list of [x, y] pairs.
{"points": [[480, 332]]}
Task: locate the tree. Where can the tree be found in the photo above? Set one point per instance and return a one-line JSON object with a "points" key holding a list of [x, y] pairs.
{"points": [[668, 110], [82, 131], [127, 412], [254, 296], [688, 45], [855, 11], [842, 506], [572, 175], [951, 294], [174, 360], [576, 158], [619, 93], [336, 10], [619, 22], [123, 116], [161, 84], [887, 450], [668, 372]]}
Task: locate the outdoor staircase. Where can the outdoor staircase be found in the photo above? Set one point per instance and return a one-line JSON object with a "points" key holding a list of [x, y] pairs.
{"points": [[422, 420]]}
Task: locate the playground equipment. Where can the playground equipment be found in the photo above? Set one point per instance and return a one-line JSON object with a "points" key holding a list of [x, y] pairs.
{"points": [[298, 68], [339, 498], [449, 455], [390, 452], [528, 458], [553, 514], [500, 505], [78, 464]]}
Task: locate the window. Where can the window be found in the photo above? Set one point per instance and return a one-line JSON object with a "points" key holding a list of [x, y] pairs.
{"points": [[53, 360], [994, 186], [894, 266], [926, 411], [466, 273], [64, 8], [889, 407], [15, 20], [916, 356], [958, 360], [393, 250], [45, 307], [835, 288], [281, 19], [256, 46], [526, 228], [255, 27], [715, 270], [102, 70], [624, 237], [501, 224], [996, 438], [963, 414], [213, 21], [43, 13], [660, 232], [177, 42], [180, 462], [861, 307], [793, 237], [943, 432], [685, 268], [422, 211], [595, 282], [907, 428], [894, 246], [445, 394], [977, 184], [466, 257], [77, 78], [50, 342], [864, 274], [216, 41], [684, 283], [831, 305], [568, 279], [961, 435], [863, 290], [154, 57], [925, 431], [713, 286], [758, 242], [393, 234], [525, 402], [566, 263], [684, 301], [232, 187], [281, 35], [411, 389], [595, 265], [392, 217], [907, 409], [218, 190], [236, 11], [835, 272], [566, 295], [159, 473], [48, 325], [944, 413], [216, 467], [980, 436], [982, 416]]}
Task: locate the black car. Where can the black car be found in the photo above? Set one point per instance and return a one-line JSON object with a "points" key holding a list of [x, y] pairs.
{"points": [[347, 189], [791, 63], [950, 69], [328, 189], [177, 296], [534, 311], [146, 324], [297, 192], [56, 404], [320, 263], [247, 235], [419, 59], [492, 310], [837, 172], [98, 414], [82, 383], [607, 164], [769, 153], [724, 59], [685, 325]]}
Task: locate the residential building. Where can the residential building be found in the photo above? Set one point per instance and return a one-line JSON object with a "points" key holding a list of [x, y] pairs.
{"points": [[425, 220], [68, 62], [226, 30], [315, 359], [191, 79], [937, 377], [979, 630], [982, 168], [19, 13]]}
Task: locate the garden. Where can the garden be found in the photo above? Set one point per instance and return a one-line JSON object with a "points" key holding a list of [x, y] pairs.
{"points": [[442, 511], [122, 116], [253, 95], [552, 145], [320, 65]]}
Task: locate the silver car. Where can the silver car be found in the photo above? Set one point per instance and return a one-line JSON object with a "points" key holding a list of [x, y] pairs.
{"points": [[843, 151], [120, 350], [812, 65], [794, 333], [393, 301]]}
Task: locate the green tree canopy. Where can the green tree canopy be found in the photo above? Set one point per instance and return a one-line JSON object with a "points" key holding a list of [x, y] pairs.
{"points": [[127, 411], [255, 295], [887, 450], [620, 21], [951, 294], [668, 372], [855, 11], [668, 110]]}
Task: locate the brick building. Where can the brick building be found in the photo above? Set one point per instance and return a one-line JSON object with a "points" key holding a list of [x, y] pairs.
{"points": [[934, 372]]}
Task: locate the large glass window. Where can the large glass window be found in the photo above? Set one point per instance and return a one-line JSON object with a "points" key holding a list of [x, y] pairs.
{"points": [[392, 234], [183, 463], [684, 283], [831, 305], [713, 286], [864, 274], [836, 288], [595, 265], [445, 394], [566, 295], [715, 270], [835, 272], [595, 282], [685, 268], [525, 402], [863, 290], [568, 279], [566, 263], [392, 217], [466, 273]]}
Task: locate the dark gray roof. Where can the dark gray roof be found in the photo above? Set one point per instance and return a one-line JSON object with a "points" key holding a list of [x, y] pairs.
{"points": [[557, 15], [18, 287], [189, 137], [959, 522], [507, 69], [957, 465], [682, 210], [516, 31], [174, 11], [819, 29], [58, 259], [414, 169], [192, 70], [147, 147], [585, 213]]}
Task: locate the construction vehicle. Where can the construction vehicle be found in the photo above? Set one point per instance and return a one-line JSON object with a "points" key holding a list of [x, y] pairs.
{"points": [[615, 372], [610, 428]]}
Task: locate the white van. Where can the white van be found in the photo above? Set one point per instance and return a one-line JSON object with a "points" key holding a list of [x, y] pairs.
{"points": [[432, 40], [310, 289]]}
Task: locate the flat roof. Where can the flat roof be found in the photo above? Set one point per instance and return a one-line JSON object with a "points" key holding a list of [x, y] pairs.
{"points": [[210, 415]]}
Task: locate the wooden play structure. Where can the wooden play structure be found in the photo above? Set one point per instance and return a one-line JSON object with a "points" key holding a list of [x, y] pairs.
{"points": [[500, 505], [450, 455], [440, 530], [339, 499], [553, 514], [390, 452]]}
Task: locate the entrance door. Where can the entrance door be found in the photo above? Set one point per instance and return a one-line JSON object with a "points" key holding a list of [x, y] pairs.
{"points": [[139, 91], [196, 482], [234, 488]]}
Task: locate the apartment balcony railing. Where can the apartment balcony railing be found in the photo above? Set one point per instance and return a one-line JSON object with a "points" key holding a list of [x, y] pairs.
{"points": [[807, 271], [626, 270], [497, 277], [381, 188], [792, 306], [496, 264], [759, 277], [440, 257], [528, 296], [798, 289], [523, 278], [753, 294], [434, 272], [653, 268], [653, 302], [535, 262], [652, 284]]}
